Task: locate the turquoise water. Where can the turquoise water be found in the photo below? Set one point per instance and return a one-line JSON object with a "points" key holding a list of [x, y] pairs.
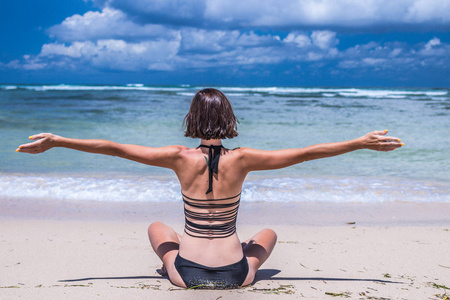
{"points": [[270, 118]]}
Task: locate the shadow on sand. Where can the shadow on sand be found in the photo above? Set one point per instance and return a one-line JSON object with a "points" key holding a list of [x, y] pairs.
{"points": [[263, 274], [270, 274]]}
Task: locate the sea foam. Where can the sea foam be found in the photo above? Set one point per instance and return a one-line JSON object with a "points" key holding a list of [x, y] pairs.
{"points": [[166, 189]]}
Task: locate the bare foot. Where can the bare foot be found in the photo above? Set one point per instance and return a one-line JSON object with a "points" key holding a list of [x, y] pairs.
{"points": [[162, 271]]}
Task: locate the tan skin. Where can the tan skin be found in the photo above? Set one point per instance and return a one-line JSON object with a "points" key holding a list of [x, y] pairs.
{"points": [[192, 172]]}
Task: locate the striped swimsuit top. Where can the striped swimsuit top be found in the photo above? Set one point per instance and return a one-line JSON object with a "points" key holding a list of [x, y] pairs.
{"points": [[211, 218]]}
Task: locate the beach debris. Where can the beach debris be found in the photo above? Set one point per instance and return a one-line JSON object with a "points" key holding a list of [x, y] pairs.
{"points": [[438, 286], [444, 296], [140, 286], [444, 266], [351, 223], [211, 285], [304, 266], [170, 289], [150, 286], [373, 297], [282, 289], [387, 275], [410, 278], [198, 287], [10, 287], [343, 294], [78, 285]]}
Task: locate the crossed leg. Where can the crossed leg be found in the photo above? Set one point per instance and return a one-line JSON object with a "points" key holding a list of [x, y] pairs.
{"points": [[166, 243], [257, 249]]}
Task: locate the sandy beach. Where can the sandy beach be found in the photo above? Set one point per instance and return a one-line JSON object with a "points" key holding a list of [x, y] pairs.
{"points": [[70, 250]]}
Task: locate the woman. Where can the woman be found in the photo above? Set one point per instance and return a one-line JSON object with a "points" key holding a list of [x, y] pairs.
{"points": [[210, 253]]}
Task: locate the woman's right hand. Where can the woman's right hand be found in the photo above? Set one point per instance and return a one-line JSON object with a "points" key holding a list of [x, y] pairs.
{"points": [[42, 142]]}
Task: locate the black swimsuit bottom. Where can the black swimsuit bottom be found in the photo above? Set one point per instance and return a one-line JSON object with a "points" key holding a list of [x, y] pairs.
{"points": [[199, 276]]}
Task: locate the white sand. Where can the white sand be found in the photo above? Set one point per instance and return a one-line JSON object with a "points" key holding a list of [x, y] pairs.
{"points": [[84, 259]]}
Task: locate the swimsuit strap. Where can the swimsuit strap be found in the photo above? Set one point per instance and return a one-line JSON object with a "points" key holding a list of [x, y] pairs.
{"points": [[213, 162], [216, 199], [210, 218]]}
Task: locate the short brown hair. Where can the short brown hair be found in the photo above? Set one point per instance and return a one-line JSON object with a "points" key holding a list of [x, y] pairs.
{"points": [[210, 116]]}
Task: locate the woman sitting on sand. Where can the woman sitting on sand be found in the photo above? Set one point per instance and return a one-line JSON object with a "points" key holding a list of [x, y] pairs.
{"points": [[210, 254]]}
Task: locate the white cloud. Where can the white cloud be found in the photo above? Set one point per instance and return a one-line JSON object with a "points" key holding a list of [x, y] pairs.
{"points": [[290, 13], [251, 39], [324, 39], [75, 50], [314, 56], [396, 56], [173, 34], [107, 24], [435, 47], [194, 48], [374, 61], [29, 64], [348, 64], [202, 41], [113, 54], [433, 42], [300, 39], [395, 52], [436, 11]]}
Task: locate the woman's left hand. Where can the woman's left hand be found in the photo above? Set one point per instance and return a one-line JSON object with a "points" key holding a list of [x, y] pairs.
{"points": [[378, 141]]}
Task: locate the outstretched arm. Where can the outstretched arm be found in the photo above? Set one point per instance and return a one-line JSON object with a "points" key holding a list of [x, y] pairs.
{"points": [[162, 157], [254, 160]]}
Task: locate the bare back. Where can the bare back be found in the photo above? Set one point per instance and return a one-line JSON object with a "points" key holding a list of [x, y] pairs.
{"points": [[227, 185]]}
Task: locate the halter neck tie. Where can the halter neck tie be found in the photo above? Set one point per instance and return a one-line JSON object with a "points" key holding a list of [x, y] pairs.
{"points": [[213, 162]]}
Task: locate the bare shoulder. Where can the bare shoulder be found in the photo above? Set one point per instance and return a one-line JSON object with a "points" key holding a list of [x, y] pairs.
{"points": [[256, 159], [176, 148], [241, 153], [186, 152], [236, 152], [183, 149], [169, 150], [245, 152]]}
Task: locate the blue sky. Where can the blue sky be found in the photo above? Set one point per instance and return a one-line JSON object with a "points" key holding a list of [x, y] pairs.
{"points": [[227, 42]]}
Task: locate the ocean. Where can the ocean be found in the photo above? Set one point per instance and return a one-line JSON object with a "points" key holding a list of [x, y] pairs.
{"points": [[269, 118]]}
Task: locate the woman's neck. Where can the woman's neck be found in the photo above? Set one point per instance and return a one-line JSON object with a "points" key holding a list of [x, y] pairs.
{"points": [[211, 142]]}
